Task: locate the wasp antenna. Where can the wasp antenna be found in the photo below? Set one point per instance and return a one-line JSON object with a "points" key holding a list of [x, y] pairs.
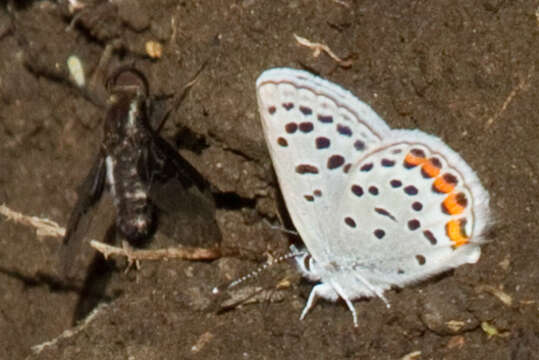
{"points": [[185, 91]]}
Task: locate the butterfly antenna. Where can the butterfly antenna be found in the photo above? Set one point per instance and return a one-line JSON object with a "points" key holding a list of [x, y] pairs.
{"points": [[253, 274], [280, 228]]}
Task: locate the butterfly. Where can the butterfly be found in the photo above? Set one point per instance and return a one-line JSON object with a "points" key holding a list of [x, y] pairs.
{"points": [[375, 207]]}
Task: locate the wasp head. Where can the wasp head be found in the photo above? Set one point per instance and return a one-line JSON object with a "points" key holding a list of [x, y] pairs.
{"points": [[127, 109]]}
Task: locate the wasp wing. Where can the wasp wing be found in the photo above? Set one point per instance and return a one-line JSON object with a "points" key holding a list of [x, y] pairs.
{"points": [[89, 193], [179, 190]]}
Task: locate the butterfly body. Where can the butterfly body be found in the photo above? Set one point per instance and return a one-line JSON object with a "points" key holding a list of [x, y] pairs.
{"points": [[375, 207]]}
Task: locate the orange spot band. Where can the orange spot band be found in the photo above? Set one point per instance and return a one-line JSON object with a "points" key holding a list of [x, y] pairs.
{"points": [[430, 169], [453, 205], [456, 233], [441, 185], [412, 160]]}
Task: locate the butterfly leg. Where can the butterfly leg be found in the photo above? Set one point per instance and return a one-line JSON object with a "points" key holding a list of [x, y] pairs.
{"points": [[321, 290], [377, 291], [338, 289]]}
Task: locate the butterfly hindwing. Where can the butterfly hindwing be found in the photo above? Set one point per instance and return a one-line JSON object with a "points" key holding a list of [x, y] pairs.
{"points": [[412, 208]]}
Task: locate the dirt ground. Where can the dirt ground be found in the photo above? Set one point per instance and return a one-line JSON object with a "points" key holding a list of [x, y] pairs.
{"points": [[462, 70]]}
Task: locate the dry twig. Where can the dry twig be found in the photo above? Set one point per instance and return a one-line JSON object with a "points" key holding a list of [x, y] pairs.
{"points": [[318, 48], [46, 227], [202, 341], [342, 3], [411, 356], [180, 252], [522, 85], [36, 349], [504, 297]]}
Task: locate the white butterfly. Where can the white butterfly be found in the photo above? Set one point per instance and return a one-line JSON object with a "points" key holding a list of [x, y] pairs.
{"points": [[375, 207]]}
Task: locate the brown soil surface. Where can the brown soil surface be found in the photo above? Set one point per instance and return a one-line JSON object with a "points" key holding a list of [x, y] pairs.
{"points": [[465, 71]]}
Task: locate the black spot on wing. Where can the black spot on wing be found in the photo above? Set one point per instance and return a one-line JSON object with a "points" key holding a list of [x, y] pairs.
{"points": [[430, 237], [322, 142], [288, 106], [357, 190], [413, 224], [305, 110], [335, 161], [326, 119], [417, 206], [359, 145], [366, 167], [344, 130], [384, 212], [410, 190], [306, 169], [350, 222], [306, 127], [291, 127]]}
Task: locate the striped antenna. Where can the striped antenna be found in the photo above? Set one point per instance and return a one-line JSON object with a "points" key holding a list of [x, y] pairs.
{"points": [[294, 252], [280, 228]]}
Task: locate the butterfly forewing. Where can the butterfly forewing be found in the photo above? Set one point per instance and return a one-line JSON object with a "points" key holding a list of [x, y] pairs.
{"points": [[315, 132]]}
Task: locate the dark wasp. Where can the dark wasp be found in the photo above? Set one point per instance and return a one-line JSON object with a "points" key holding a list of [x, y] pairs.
{"points": [[141, 170]]}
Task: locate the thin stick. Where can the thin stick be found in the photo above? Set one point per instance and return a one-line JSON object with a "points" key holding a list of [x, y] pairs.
{"points": [[44, 227], [318, 48], [180, 252], [522, 85], [36, 349], [342, 3], [504, 297]]}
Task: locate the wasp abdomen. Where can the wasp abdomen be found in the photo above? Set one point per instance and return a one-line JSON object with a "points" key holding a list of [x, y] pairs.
{"points": [[126, 136], [135, 213]]}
